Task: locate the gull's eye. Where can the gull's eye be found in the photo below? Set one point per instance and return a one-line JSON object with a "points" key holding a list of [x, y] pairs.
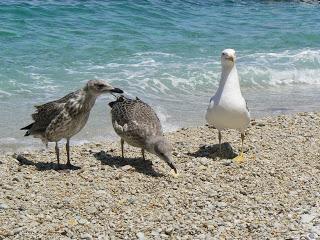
{"points": [[100, 86]]}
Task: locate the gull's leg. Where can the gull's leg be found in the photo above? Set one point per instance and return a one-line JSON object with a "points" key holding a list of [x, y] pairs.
{"points": [[46, 149], [220, 152], [68, 153], [142, 152], [240, 157], [57, 154], [122, 143]]}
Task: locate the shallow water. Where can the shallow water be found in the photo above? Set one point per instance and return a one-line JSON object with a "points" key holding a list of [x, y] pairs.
{"points": [[167, 53]]}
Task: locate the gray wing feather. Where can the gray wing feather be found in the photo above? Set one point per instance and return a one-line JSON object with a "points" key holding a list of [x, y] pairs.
{"points": [[135, 119], [45, 113], [58, 126]]}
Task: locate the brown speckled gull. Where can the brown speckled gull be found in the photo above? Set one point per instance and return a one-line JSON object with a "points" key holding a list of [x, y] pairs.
{"points": [[66, 117], [138, 125]]}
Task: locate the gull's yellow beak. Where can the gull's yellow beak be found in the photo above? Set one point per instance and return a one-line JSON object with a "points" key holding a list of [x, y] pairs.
{"points": [[231, 58]]}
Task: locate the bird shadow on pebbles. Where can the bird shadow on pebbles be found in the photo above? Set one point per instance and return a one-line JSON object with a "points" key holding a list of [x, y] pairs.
{"points": [[44, 166], [212, 151], [140, 165]]}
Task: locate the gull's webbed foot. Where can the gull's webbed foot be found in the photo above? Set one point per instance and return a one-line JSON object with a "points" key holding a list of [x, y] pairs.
{"points": [[239, 158]]}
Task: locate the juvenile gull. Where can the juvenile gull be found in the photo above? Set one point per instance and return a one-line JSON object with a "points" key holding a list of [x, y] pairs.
{"points": [[66, 117], [227, 108], [138, 125]]}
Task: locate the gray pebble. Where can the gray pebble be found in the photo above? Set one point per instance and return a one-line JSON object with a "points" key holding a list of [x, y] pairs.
{"points": [[155, 233], [171, 201], [204, 161], [169, 230], [307, 218], [126, 167], [91, 209], [17, 230], [3, 206], [131, 200], [316, 229], [82, 221], [226, 162], [140, 236], [86, 236], [7, 187], [312, 236]]}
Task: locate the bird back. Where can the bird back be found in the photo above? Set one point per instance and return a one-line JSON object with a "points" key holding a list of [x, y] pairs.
{"points": [[136, 115]]}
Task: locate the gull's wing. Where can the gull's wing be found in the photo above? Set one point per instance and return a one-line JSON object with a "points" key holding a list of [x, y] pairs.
{"points": [[135, 119], [59, 125], [45, 113]]}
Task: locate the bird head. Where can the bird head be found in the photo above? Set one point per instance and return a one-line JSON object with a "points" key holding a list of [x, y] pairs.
{"points": [[228, 57], [163, 150], [98, 87]]}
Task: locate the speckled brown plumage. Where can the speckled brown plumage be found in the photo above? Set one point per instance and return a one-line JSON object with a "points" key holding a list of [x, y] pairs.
{"points": [[49, 112], [134, 121], [66, 116], [138, 125]]}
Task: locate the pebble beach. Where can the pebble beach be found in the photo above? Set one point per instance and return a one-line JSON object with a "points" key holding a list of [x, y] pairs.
{"points": [[274, 194]]}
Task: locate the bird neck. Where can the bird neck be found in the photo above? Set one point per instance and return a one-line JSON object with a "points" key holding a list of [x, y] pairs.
{"points": [[151, 141], [229, 79], [89, 100]]}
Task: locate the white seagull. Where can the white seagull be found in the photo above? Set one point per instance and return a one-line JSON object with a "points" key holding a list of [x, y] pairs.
{"points": [[227, 108]]}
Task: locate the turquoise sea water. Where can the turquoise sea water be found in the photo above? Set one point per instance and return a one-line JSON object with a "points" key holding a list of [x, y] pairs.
{"points": [[165, 52]]}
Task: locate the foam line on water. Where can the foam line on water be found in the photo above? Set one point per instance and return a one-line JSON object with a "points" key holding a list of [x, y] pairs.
{"points": [[4, 94]]}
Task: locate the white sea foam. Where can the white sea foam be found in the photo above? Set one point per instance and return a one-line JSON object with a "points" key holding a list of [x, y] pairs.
{"points": [[157, 53], [165, 118], [5, 94], [291, 55], [166, 73], [162, 73], [283, 68]]}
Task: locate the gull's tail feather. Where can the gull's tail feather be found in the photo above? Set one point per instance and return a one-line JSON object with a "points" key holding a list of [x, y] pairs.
{"points": [[26, 134], [27, 128]]}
